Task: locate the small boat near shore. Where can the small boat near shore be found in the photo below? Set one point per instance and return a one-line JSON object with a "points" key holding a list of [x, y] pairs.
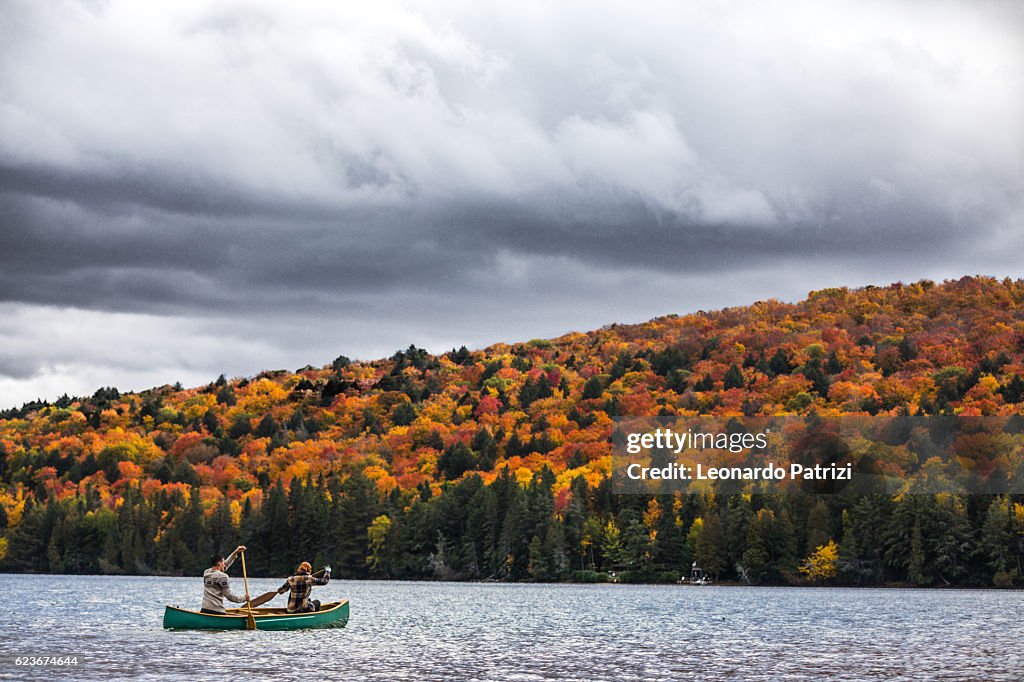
{"points": [[697, 576], [703, 580], [330, 615]]}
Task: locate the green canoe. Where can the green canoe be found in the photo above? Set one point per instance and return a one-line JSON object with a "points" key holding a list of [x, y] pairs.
{"points": [[330, 615]]}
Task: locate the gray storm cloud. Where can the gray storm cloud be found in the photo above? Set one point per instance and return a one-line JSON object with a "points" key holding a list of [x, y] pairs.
{"points": [[326, 178]]}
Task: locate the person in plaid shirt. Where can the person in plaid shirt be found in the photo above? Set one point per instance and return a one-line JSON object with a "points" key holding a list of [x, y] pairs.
{"points": [[301, 585]]}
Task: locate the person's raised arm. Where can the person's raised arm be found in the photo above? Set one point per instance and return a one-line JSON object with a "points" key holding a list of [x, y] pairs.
{"points": [[231, 559], [325, 578]]}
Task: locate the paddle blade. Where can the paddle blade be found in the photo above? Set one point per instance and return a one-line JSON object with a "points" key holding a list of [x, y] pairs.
{"points": [[250, 622], [263, 599]]}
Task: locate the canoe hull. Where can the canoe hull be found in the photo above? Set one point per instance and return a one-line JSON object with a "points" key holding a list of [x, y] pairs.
{"points": [[330, 615]]}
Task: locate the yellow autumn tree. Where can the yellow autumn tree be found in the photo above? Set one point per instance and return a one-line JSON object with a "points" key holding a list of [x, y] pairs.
{"points": [[822, 564], [651, 517], [377, 535]]}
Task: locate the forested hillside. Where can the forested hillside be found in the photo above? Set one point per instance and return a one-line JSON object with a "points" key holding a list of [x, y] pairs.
{"points": [[494, 463]]}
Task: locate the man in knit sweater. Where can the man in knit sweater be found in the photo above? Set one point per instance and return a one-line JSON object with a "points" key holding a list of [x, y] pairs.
{"points": [[215, 583]]}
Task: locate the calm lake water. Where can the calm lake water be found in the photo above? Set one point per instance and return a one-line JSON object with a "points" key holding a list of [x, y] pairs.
{"points": [[440, 631]]}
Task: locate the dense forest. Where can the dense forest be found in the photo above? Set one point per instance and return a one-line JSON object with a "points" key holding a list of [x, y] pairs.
{"points": [[495, 463]]}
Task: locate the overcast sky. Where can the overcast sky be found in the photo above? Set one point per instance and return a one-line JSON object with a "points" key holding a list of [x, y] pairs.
{"points": [[191, 188]]}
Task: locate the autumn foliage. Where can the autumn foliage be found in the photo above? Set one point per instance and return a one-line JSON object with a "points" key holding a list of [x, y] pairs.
{"points": [[415, 426]]}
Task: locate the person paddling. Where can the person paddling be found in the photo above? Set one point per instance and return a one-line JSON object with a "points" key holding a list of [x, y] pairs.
{"points": [[215, 583], [301, 586]]}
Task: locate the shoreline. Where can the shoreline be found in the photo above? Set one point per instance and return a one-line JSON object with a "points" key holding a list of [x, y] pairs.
{"points": [[726, 584]]}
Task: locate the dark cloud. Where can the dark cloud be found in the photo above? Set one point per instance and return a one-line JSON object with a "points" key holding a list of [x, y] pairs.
{"points": [[447, 174], [184, 263]]}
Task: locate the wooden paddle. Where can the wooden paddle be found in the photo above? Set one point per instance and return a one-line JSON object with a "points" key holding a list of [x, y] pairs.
{"points": [[264, 598], [250, 620]]}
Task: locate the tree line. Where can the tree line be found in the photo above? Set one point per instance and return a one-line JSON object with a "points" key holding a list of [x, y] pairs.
{"points": [[512, 530]]}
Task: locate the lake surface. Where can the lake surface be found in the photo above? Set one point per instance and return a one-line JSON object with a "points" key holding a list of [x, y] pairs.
{"points": [[439, 631]]}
